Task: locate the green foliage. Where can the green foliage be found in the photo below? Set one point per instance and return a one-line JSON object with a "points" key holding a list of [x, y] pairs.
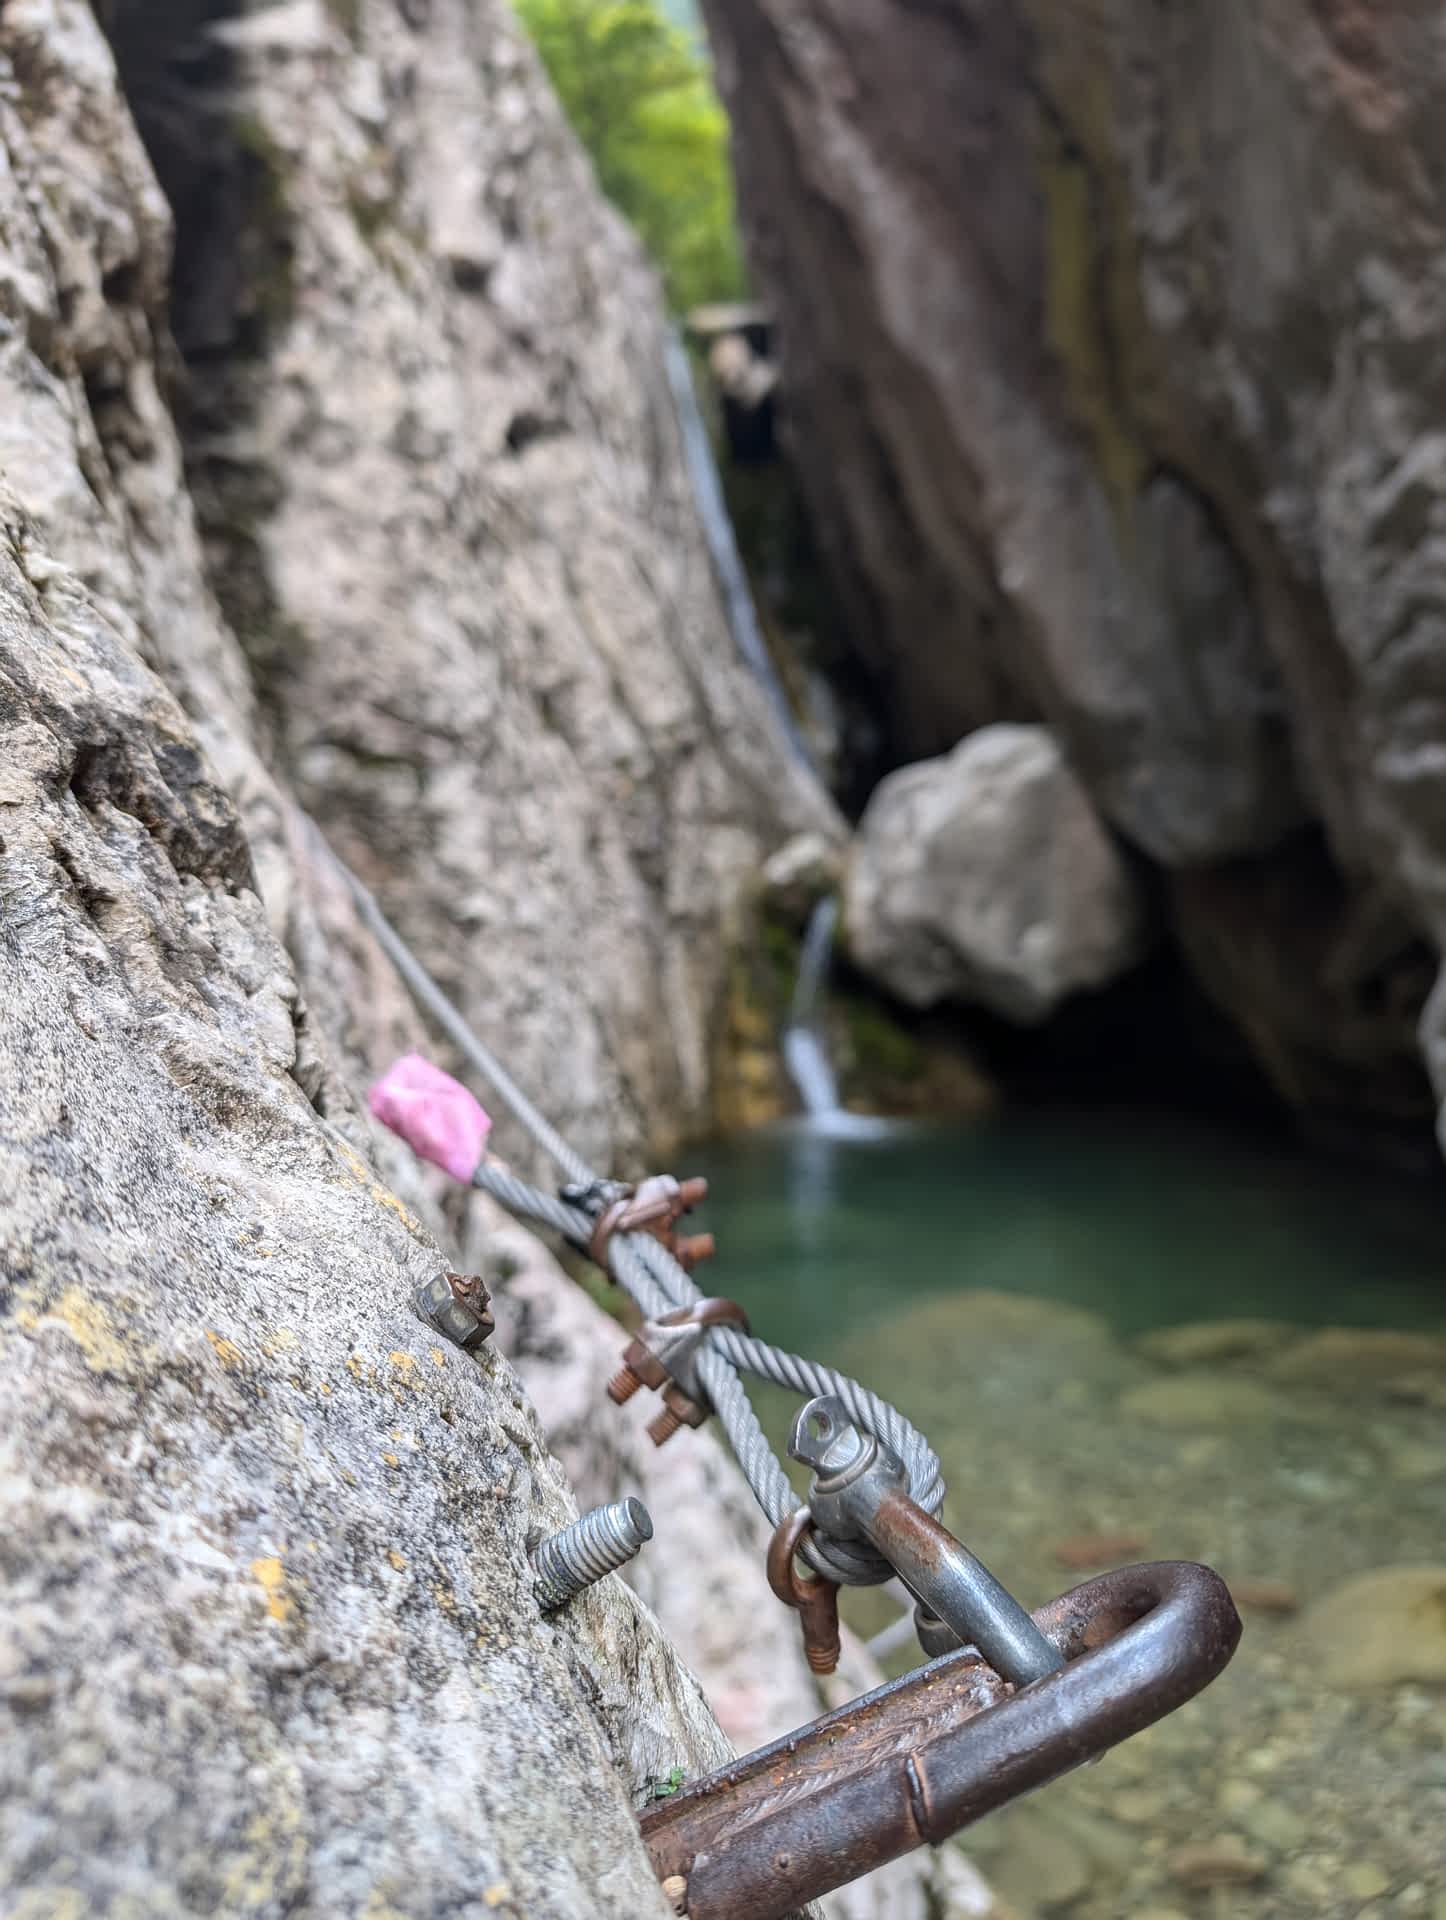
{"points": [[883, 1048], [638, 92]]}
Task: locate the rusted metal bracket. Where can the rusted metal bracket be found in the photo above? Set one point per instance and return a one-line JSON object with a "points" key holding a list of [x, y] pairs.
{"points": [[661, 1355], [654, 1206], [915, 1761]]}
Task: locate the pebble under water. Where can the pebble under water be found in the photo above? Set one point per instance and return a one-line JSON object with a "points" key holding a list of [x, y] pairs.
{"points": [[1131, 1336]]}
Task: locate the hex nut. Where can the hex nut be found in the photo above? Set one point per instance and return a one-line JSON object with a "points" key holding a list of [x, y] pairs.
{"points": [[465, 1324]]}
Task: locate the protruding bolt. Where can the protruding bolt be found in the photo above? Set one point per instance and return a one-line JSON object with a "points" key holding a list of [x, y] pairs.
{"points": [[587, 1551], [663, 1426], [623, 1385], [675, 1888], [457, 1305]]}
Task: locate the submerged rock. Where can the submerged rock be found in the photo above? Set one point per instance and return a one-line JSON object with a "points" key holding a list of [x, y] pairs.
{"points": [[1208, 1342], [1360, 1359], [1201, 1399], [1226, 1862], [1380, 1629], [986, 877]]}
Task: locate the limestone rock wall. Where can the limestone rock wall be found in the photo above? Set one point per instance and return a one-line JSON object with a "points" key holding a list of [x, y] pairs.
{"points": [[1112, 344], [441, 488], [270, 1642]]}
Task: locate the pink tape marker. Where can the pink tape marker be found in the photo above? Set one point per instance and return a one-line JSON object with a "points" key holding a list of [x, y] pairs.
{"points": [[435, 1114]]}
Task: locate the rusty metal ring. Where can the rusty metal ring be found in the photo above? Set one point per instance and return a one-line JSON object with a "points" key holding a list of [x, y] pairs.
{"points": [[783, 1548]]}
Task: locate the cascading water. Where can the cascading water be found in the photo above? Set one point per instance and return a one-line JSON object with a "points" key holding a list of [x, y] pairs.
{"points": [[805, 1050], [723, 544]]}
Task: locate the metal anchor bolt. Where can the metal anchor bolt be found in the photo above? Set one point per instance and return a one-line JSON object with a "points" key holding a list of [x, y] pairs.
{"points": [[588, 1551], [458, 1306]]}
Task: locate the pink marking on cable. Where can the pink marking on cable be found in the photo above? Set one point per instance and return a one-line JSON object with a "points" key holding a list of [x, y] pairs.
{"points": [[435, 1114]]}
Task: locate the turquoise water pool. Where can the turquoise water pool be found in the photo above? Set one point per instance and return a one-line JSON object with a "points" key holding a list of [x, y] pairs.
{"points": [[1149, 1219]]}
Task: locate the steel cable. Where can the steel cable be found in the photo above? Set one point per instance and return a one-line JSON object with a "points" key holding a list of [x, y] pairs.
{"points": [[655, 1280]]}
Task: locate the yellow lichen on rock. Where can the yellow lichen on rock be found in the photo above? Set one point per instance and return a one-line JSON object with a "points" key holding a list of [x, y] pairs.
{"points": [[89, 1325], [271, 1861], [270, 1575], [227, 1352]]}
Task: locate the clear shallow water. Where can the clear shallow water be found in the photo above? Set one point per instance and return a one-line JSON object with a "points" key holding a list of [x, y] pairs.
{"points": [[1148, 1219], [1055, 1298]]}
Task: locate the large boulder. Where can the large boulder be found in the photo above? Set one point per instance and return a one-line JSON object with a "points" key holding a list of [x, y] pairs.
{"points": [[986, 877], [1112, 346]]}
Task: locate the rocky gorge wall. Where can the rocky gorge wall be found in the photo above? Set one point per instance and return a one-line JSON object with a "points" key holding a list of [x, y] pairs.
{"points": [[267, 1599], [443, 501], [271, 1643], [1111, 340]]}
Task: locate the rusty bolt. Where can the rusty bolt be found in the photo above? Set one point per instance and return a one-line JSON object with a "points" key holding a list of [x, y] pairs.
{"points": [[678, 1410], [690, 1248], [623, 1385], [663, 1426], [469, 1289], [459, 1307]]}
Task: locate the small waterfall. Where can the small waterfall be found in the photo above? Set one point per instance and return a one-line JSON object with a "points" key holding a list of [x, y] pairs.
{"points": [[805, 1050], [718, 529]]}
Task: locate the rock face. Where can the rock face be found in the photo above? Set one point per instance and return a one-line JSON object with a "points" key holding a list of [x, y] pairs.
{"points": [[1112, 344], [986, 877], [271, 1644], [440, 483]]}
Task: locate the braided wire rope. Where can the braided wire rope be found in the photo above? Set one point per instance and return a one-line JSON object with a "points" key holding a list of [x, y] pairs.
{"points": [[655, 1280]]}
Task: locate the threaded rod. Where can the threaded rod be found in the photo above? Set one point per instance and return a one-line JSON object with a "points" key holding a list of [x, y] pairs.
{"points": [[623, 1385], [586, 1552]]}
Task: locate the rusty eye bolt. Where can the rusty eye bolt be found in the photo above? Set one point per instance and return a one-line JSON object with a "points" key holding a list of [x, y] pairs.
{"points": [[915, 1761]]}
